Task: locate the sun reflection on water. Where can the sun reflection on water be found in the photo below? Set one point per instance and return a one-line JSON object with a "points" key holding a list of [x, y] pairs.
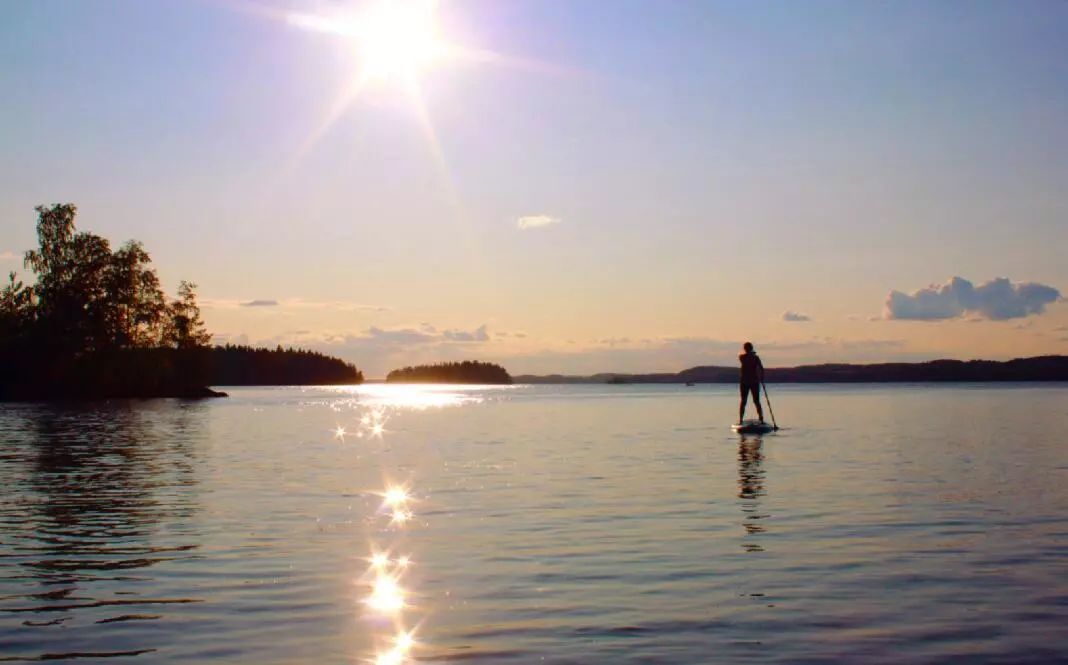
{"points": [[386, 593], [398, 654], [396, 496], [416, 397]]}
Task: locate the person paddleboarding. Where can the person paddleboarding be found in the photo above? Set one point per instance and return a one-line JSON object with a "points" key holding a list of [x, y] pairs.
{"points": [[751, 378]]}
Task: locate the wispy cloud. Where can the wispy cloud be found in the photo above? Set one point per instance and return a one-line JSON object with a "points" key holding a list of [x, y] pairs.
{"points": [[996, 300], [536, 222], [240, 339], [477, 335], [9, 256], [424, 334], [292, 303], [790, 315]]}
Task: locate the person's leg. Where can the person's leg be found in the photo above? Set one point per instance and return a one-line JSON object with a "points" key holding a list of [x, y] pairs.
{"points": [[756, 401], [744, 389]]}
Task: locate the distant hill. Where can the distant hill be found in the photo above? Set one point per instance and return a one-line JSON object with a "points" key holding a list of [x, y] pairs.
{"points": [[468, 371], [1040, 368]]}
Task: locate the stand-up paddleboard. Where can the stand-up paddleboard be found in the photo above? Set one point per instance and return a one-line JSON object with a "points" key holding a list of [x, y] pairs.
{"points": [[753, 427]]}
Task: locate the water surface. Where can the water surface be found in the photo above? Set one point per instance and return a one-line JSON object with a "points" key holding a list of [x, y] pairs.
{"points": [[622, 524]]}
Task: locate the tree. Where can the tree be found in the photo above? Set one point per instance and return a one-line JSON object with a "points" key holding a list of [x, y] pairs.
{"points": [[137, 307], [71, 291], [16, 309], [186, 329]]}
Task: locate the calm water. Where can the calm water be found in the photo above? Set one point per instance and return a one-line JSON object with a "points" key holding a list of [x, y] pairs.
{"points": [[543, 524]]}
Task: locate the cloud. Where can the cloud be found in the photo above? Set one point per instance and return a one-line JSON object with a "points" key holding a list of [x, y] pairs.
{"points": [[793, 316], [996, 300], [9, 256], [291, 303], [477, 335], [425, 334], [536, 221], [222, 339], [398, 336], [517, 334]]}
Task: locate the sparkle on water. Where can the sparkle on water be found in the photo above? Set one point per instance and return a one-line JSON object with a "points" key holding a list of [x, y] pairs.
{"points": [[396, 495], [403, 643], [387, 595]]}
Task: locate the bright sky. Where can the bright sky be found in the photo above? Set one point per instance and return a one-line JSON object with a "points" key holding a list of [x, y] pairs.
{"points": [[563, 186]]}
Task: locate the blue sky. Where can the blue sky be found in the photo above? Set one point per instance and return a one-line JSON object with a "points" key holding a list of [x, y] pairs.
{"points": [[712, 166]]}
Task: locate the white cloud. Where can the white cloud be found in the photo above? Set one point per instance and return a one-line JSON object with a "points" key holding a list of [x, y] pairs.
{"points": [[9, 256], [997, 300], [536, 221], [260, 303], [790, 315]]}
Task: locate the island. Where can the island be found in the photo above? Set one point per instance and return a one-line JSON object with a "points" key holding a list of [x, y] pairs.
{"points": [[468, 371], [95, 324]]}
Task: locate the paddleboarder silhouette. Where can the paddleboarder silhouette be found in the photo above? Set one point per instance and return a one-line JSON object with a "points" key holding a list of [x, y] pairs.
{"points": [[751, 378]]}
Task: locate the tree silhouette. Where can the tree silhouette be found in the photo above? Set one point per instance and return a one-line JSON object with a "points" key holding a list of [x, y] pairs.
{"points": [[186, 329], [96, 323], [468, 371]]}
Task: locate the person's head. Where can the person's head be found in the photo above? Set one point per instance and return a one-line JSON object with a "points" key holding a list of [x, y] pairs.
{"points": [[747, 347]]}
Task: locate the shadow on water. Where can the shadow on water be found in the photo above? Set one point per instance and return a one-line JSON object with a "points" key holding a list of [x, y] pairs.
{"points": [[751, 477], [94, 496]]}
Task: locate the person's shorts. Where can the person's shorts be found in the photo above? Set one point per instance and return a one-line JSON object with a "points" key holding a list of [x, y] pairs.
{"points": [[746, 388]]}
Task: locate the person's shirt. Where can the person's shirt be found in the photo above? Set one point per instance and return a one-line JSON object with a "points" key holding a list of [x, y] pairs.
{"points": [[751, 368]]}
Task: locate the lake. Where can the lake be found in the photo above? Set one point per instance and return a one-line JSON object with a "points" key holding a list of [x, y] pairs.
{"points": [[548, 524]]}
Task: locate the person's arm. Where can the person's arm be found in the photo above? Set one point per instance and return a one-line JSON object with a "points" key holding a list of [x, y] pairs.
{"points": [[760, 366]]}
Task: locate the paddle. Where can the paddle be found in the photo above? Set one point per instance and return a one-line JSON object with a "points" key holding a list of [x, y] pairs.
{"points": [[767, 398]]}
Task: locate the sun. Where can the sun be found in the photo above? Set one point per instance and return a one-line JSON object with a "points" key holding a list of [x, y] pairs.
{"points": [[398, 40], [393, 40]]}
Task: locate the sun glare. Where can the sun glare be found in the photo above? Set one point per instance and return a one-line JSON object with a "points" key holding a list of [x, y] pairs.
{"points": [[397, 40], [394, 40]]}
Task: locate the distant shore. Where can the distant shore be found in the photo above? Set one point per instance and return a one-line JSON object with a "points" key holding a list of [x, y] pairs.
{"points": [[1039, 368]]}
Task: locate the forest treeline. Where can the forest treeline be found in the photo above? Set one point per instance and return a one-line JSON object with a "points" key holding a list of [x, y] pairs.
{"points": [[468, 371], [95, 322], [248, 366]]}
